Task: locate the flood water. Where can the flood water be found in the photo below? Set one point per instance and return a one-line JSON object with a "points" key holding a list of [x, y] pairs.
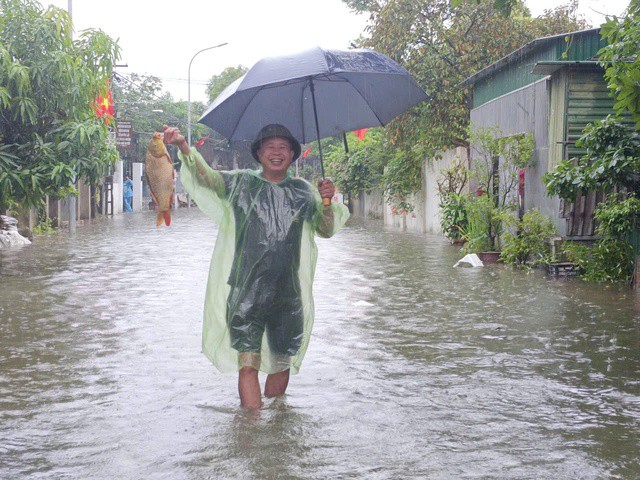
{"points": [[415, 369]]}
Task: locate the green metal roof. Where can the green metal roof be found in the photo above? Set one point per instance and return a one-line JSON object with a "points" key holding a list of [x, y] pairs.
{"points": [[516, 70]]}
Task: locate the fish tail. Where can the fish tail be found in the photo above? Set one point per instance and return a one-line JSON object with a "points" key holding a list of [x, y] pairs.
{"points": [[160, 219], [167, 217]]}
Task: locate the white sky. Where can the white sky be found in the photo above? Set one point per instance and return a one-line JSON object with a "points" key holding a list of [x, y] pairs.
{"points": [[159, 37]]}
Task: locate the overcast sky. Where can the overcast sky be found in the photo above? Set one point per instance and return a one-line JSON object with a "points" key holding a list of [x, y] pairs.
{"points": [[160, 37]]}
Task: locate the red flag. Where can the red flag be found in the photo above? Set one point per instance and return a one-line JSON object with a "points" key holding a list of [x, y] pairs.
{"points": [[200, 142], [103, 105], [306, 153], [361, 133]]}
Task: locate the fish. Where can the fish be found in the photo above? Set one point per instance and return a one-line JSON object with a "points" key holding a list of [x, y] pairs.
{"points": [[160, 176]]}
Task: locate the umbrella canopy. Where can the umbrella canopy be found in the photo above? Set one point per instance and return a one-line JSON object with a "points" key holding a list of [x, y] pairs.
{"points": [[316, 93]]}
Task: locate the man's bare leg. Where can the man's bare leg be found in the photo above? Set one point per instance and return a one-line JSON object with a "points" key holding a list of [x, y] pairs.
{"points": [[276, 384], [249, 388]]}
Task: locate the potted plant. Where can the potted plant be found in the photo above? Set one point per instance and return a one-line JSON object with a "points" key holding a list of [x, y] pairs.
{"points": [[484, 228]]}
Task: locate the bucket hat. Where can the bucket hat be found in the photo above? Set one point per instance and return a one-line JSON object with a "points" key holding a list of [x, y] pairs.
{"points": [[275, 130]]}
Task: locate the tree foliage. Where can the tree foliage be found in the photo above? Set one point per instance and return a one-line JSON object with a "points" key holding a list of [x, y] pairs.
{"points": [[620, 58], [527, 242], [219, 82], [49, 135], [361, 169], [498, 161], [611, 258], [612, 160], [139, 99], [503, 6], [441, 43]]}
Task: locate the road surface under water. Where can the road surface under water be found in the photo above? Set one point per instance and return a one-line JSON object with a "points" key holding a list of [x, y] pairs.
{"points": [[415, 369]]}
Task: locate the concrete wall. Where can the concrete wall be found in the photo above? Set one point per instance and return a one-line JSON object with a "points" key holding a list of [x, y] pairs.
{"points": [[426, 215], [430, 186], [136, 177], [369, 205]]}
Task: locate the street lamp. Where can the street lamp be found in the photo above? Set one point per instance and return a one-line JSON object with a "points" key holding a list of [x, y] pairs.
{"points": [[189, 89]]}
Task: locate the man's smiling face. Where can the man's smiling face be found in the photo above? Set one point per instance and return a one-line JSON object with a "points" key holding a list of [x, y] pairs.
{"points": [[275, 155]]}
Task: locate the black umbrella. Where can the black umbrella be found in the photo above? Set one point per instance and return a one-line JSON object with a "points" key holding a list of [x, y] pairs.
{"points": [[315, 94]]}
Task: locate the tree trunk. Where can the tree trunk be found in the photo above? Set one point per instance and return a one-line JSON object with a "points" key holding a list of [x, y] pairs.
{"points": [[495, 172]]}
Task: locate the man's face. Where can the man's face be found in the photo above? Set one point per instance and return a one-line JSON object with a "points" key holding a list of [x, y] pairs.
{"points": [[275, 155]]}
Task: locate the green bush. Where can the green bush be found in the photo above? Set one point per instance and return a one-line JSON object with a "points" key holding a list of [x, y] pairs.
{"points": [[44, 227], [611, 258], [529, 246], [484, 225], [607, 261]]}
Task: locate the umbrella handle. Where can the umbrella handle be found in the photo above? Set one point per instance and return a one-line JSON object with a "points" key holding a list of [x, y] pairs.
{"points": [[326, 202]]}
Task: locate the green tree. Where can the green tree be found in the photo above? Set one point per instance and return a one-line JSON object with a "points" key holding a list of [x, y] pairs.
{"points": [[49, 134], [612, 163], [620, 58], [612, 160], [503, 6], [361, 169], [219, 82], [441, 43], [141, 100]]}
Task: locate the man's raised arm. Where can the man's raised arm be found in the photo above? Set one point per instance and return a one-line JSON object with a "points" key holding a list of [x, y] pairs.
{"points": [[203, 173]]}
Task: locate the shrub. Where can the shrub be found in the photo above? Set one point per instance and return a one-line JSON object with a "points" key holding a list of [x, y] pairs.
{"points": [[484, 225], [453, 216], [611, 259], [607, 261], [529, 246]]}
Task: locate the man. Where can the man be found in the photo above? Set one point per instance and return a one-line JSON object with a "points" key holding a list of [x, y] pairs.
{"points": [[128, 194], [259, 307]]}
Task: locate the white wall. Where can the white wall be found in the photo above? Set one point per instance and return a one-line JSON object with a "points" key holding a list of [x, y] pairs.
{"points": [[137, 186], [426, 215], [430, 189], [118, 191]]}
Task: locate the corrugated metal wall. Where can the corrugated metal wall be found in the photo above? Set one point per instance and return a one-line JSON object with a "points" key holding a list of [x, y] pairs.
{"points": [[588, 101], [512, 77], [517, 73], [525, 111]]}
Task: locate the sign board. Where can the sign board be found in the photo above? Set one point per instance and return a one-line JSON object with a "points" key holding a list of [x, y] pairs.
{"points": [[124, 133]]}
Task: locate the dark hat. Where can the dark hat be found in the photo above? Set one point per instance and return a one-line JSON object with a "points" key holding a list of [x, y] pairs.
{"points": [[275, 130]]}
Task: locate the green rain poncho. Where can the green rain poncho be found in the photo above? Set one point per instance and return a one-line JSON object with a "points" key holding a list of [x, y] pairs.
{"points": [[262, 268]]}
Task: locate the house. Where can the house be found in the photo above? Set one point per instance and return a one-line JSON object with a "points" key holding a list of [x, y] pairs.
{"points": [[552, 88]]}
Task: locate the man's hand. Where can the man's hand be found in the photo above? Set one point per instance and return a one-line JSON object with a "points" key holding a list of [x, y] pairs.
{"points": [[172, 136], [326, 189]]}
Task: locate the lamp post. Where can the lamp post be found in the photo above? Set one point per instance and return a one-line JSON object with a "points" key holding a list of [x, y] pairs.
{"points": [[189, 89]]}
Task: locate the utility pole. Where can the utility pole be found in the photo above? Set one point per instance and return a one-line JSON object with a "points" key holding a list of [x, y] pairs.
{"points": [[72, 198]]}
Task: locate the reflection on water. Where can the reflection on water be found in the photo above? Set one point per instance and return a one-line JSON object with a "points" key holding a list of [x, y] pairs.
{"points": [[415, 369]]}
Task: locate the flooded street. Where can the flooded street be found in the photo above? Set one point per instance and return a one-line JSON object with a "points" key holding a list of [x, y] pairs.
{"points": [[415, 369]]}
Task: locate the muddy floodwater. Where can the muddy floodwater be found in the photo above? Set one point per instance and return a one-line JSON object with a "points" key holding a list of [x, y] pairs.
{"points": [[415, 369]]}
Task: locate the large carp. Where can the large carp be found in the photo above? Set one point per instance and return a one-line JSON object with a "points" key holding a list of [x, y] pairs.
{"points": [[160, 175]]}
